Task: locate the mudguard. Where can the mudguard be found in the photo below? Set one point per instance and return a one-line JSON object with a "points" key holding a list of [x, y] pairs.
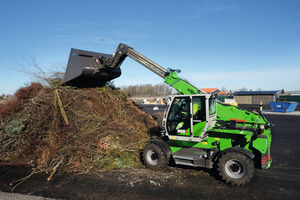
{"points": [[236, 149], [163, 145]]}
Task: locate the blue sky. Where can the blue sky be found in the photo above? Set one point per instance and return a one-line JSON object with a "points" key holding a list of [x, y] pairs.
{"points": [[216, 43]]}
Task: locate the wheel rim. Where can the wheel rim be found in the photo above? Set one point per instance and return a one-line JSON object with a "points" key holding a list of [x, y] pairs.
{"points": [[152, 157], [234, 168]]}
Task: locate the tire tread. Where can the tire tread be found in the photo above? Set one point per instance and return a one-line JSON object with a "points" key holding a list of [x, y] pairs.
{"points": [[247, 161]]}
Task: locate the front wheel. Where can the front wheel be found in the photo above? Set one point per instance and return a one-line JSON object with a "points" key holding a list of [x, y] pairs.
{"points": [[236, 168], [154, 157]]}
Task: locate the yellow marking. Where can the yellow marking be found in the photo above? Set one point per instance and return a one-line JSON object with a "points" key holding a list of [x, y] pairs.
{"points": [[173, 138], [217, 138], [204, 143]]}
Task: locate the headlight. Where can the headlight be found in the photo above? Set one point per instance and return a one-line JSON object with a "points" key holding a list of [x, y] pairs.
{"points": [[261, 126]]}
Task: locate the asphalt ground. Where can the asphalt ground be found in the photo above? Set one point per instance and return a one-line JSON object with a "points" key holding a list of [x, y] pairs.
{"points": [[280, 181]]}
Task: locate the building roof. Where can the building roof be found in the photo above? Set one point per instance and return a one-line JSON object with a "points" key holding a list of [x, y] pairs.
{"points": [[274, 92], [211, 90], [223, 92]]}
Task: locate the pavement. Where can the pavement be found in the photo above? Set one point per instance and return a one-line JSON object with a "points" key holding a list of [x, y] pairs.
{"points": [[15, 196], [269, 112]]}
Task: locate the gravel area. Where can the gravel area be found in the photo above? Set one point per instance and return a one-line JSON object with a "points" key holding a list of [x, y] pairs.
{"points": [[14, 196]]}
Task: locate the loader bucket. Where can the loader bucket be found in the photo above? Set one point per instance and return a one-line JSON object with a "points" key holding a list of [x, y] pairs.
{"points": [[84, 70]]}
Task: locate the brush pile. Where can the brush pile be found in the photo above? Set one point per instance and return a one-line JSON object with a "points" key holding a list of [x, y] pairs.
{"points": [[72, 130]]}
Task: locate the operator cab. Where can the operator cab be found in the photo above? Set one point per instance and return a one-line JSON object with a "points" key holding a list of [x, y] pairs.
{"points": [[188, 117]]}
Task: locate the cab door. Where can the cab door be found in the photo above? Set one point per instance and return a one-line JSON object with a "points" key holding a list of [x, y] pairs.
{"points": [[179, 117], [199, 115]]}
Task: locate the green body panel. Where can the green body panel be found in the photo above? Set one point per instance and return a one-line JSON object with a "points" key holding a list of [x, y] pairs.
{"points": [[181, 85], [198, 128], [176, 145], [229, 112], [261, 144], [225, 144], [208, 143]]}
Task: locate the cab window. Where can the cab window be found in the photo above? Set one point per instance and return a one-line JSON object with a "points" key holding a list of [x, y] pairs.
{"points": [[199, 108], [212, 106]]}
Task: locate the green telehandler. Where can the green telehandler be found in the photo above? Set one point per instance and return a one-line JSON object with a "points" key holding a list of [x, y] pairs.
{"points": [[199, 131]]}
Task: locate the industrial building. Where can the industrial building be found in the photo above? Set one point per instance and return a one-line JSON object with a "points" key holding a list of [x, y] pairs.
{"points": [[255, 97]]}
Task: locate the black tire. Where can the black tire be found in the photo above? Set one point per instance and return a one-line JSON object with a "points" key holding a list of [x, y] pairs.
{"points": [[236, 168], [154, 157]]}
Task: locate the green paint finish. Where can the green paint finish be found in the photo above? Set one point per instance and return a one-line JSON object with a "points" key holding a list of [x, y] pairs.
{"points": [[175, 148], [261, 144], [198, 128], [181, 85], [225, 144], [228, 112], [248, 136], [207, 143], [179, 144], [248, 147], [229, 131]]}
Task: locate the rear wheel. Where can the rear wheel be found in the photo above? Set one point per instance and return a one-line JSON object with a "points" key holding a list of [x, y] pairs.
{"points": [[154, 157], [236, 168]]}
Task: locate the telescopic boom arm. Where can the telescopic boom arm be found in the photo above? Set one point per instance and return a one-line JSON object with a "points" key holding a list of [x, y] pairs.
{"points": [[149, 64], [170, 75]]}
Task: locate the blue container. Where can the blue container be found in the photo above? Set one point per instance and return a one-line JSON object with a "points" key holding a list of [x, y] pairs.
{"points": [[283, 106]]}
